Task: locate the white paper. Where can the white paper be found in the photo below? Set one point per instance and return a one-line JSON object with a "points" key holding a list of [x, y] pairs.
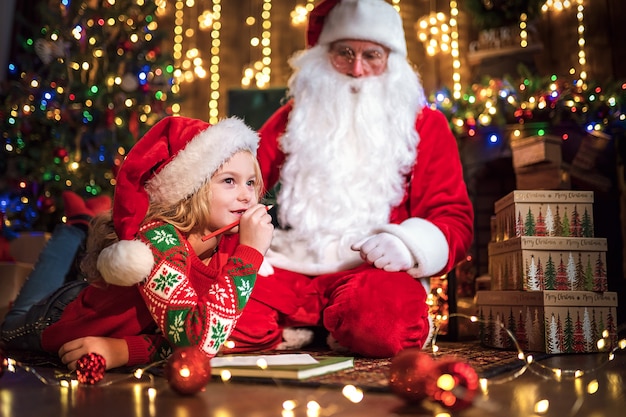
{"points": [[262, 360]]}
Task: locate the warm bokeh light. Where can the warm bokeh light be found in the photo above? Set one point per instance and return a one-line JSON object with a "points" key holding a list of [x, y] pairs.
{"points": [[434, 31]]}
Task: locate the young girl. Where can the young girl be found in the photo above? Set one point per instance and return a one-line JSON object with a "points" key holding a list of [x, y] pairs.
{"points": [[158, 283]]}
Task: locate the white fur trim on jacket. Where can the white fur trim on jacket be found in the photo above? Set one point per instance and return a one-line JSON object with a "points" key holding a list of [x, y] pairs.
{"points": [[125, 263], [370, 20], [197, 162], [425, 241], [278, 260]]}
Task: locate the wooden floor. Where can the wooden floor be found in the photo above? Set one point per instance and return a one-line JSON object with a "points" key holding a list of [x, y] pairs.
{"points": [[601, 391]]}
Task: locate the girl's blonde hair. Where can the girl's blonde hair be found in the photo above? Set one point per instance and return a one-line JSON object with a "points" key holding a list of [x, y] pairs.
{"points": [[191, 213]]}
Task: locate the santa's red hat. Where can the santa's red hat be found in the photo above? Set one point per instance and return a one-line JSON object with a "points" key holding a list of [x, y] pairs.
{"points": [[172, 161], [369, 20]]}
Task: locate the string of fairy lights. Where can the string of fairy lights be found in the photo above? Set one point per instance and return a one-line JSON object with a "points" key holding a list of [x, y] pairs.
{"points": [[300, 13], [558, 6], [587, 379], [454, 50], [259, 72], [214, 70], [582, 60], [189, 62], [523, 32], [438, 30]]}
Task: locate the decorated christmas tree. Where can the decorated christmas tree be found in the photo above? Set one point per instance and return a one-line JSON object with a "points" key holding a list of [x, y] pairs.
{"points": [[86, 79]]}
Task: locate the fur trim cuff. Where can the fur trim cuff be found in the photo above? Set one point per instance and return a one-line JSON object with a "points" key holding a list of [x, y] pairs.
{"points": [[427, 244]]}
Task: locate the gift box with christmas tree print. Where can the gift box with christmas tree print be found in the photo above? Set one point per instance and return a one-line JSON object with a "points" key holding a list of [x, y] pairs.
{"points": [[534, 263], [561, 213], [548, 321]]}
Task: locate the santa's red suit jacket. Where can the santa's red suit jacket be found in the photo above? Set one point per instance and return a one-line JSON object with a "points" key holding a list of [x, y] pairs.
{"points": [[436, 191]]}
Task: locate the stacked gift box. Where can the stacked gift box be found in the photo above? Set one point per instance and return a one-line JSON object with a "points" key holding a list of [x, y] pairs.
{"points": [[548, 275]]}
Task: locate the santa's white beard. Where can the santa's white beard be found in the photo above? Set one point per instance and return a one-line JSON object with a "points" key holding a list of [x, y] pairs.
{"points": [[350, 144]]}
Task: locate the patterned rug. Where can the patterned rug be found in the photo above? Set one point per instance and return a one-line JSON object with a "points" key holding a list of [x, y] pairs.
{"points": [[373, 374]]}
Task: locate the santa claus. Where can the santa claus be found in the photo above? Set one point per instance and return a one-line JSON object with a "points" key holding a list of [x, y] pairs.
{"points": [[371, 197]]}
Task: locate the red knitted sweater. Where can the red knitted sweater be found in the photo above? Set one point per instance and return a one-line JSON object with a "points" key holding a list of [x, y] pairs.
{"points": [[182, 301]]}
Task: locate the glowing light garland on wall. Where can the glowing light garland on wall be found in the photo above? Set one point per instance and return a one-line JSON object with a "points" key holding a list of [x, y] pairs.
{"points": [[260, 71], [177, 49], [454, 50], [264, 80], [556, 5], [189, 63], [192, 65], [582, 60], [434, 31], [214, 69], [559, 6], [523, 33], [440, 33], [300, 14]]}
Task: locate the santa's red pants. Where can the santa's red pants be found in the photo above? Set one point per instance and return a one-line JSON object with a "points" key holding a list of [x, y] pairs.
{"points": [[369, 311]]}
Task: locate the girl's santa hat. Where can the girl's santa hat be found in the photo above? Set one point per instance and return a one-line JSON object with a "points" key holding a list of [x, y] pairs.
{"points": [[172, 161], [368, 20]]}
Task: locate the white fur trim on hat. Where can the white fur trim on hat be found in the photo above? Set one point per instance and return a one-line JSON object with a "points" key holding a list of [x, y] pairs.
{"points": [[197, 162], [425, 241], [125, 263], [370, 20]]}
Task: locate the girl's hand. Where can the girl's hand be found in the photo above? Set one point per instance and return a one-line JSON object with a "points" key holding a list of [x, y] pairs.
{"points": [[256, 228], [114, 351]]}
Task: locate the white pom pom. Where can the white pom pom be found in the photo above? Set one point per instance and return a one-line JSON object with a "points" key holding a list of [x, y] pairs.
{"points": [[125, 263]]}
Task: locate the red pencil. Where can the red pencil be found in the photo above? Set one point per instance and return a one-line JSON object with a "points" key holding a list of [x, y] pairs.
{"points": [[226, 228]]}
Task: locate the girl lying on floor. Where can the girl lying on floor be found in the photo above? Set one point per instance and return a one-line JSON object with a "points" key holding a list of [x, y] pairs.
{"points": [[153, 281]]}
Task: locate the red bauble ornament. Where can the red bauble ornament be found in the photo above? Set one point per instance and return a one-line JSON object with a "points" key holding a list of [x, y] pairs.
{"points": [[188, 370], [90, 368], [409, 371], [60, 152], [453, 383]]}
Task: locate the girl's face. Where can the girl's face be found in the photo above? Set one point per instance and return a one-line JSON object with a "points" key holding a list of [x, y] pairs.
{"points": [[232, 190]]}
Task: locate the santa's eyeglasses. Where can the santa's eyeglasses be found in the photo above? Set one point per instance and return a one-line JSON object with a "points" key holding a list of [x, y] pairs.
{"points": [[343, 57]]}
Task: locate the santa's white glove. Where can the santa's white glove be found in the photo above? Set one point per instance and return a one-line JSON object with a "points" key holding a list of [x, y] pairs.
{"points": [[385, 251], [266, 269]]}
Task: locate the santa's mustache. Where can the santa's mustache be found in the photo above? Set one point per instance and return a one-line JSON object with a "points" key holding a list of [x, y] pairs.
{"points": [[355, 85]]}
